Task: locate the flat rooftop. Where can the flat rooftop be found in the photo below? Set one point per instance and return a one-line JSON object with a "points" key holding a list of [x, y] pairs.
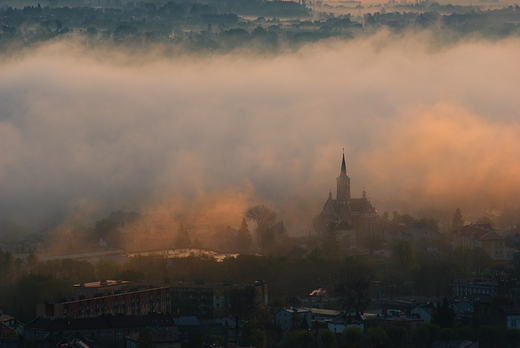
{"points": [[102, 284]]}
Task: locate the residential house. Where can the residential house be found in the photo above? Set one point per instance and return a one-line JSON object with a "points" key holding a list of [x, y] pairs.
{"points": [[505, 316], [342, 322], [483, 236], [324, 315], [401, 320], [464, 311], [186, 326], [424, 311], [421, 238], [293, 319]]}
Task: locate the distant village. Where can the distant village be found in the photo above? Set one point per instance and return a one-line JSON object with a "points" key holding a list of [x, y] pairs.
{"points": [[225, 26], [360, 279]]}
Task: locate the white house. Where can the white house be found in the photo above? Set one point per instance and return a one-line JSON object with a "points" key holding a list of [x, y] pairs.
{"points": [[292, 318]]}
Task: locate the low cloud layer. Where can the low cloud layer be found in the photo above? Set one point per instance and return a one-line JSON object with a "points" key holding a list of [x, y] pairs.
{"points": [[83, 135]]}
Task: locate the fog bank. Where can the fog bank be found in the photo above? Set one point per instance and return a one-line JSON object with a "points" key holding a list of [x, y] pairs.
{"points": [[82, 135]]}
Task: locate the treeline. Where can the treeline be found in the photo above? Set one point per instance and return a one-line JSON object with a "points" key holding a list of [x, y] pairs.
{"points": [[207, 28], [353, 280], [377, 335]]}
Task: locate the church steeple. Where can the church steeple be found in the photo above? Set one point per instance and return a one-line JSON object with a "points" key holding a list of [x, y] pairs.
{"points": [[343, 183], [343, 166]]}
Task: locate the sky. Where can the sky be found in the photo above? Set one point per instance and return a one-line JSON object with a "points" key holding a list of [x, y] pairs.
{"points": [[85, 131]]}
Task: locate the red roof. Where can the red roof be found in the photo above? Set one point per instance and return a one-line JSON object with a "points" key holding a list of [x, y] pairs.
{"points": [[510, 309], [470, 231], [492, 236]]}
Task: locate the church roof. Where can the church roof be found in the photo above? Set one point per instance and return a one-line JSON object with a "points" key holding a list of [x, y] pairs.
{"points": [[343, 168], [360, 204], [341, 226]]}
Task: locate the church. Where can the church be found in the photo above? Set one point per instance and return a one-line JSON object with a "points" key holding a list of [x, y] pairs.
{"points": [[357, 212]]}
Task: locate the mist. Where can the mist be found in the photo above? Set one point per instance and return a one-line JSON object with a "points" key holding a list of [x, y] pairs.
{"points": [[86, 131]]}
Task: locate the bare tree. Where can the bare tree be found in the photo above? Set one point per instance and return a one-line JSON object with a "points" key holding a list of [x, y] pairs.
{"points": [[262, 216], [354, 285]]}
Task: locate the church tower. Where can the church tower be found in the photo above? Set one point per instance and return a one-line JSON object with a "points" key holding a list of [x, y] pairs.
{"points": [[343, 183]]}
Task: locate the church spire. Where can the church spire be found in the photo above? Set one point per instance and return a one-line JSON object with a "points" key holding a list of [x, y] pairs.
{"points": [[343, 165], [343, 182]]}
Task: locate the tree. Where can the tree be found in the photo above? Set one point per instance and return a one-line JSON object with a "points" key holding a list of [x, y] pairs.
{"points": [[480, 261], [513, 337], [384, 220], [425, 335], [107, 230], [183, 238], [444, 316], [430, 223], [280, 231], [194, 341], [242, 302], [243, 240], [21, 298], [354, 286], [463, 260], [375, 337], [397, 335], [406, 219], [250, 337], [330, 243], [446, 334], [267, 239], [300, 339], [352, 334], [196, 244], [457, 221], [146, 338], [91, 31], [489, 336], [318, 223], [263, 217], [373, 242], [434, 274], [402, 261], [464, 333], [210, 339], [327, 338]]}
